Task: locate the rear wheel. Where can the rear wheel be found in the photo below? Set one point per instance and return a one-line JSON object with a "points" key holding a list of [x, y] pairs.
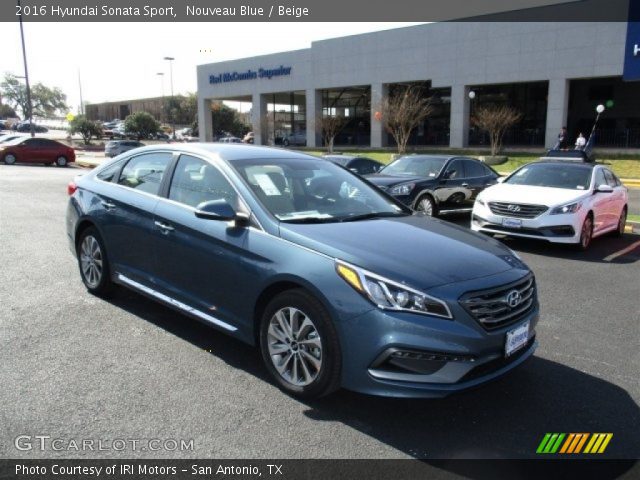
{"points": [[61, 161], [427, 205], [93, 263], [299, 345], [622, 223], [9, 159], [586, 234]]}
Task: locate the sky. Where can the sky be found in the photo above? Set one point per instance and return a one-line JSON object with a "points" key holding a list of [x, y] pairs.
{"points": [[120, 61]]}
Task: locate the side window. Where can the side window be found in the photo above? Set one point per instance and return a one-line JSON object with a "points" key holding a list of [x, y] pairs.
{"points": [[600, 178], [474, 169], [455, 170], [144, 172], [196, 181], [33, 142], [109, 173], [610, 180]]}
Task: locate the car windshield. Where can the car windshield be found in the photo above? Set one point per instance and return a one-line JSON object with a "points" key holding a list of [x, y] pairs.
{"points": [[415, 166], [308, 190], [571, 177]]}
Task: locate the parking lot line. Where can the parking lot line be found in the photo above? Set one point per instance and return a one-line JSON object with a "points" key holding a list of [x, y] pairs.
{"points": [[624, 251]]}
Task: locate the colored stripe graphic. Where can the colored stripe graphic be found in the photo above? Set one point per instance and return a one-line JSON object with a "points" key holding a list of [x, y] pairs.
{"points": [[573, 443]]}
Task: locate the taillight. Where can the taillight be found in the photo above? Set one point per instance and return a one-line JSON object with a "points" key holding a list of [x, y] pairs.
{"points": [[71, 188]]}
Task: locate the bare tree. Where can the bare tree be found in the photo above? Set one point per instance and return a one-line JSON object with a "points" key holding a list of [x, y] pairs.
{"points": [[403, 111], [495, 120], [331, 126]]}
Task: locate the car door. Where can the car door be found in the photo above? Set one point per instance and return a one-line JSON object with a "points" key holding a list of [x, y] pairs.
{"points": [[50, 150], [30, 151], [452, 191], [601, 203], [126, 214], [476, 179], [200, 261], [618, 197]]}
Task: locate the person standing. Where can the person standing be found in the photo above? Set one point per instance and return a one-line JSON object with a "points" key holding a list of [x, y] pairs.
{"points": [[580, 142], [563, 141]]}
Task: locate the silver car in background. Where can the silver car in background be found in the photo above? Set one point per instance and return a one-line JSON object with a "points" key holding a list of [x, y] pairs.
{"points": [[116, 147]]}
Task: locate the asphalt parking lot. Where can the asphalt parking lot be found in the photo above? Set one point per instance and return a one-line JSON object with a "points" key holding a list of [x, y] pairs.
{"points": [[77, 367]]}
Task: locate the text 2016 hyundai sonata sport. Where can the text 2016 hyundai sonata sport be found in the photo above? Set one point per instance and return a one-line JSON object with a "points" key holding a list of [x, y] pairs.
{"points": [[338, 283]]}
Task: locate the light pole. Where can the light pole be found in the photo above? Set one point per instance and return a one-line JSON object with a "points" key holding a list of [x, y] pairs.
{"points": [[26, 75], [173, 124], [161, 75]]}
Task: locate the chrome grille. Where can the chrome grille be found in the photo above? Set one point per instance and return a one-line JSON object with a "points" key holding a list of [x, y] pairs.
{"points": [[519, 210], [492, 309]]}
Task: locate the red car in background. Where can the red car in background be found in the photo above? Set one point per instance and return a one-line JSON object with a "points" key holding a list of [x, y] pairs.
{"points": [[36, 150]]}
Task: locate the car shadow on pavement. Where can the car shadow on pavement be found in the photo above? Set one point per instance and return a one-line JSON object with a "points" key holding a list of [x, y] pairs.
{"points": [[605, 249], [506, 418]]}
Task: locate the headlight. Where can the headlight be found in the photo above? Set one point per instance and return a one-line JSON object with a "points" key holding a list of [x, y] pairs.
{"points": [[389, 295], [568, 208], [404, 189]]}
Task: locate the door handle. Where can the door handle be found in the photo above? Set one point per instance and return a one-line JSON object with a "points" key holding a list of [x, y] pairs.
{"points": [[464, 185], [108, 205], [164, 227]]}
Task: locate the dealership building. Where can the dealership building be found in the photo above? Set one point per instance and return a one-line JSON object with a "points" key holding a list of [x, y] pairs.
{"points": [[553, 73]]}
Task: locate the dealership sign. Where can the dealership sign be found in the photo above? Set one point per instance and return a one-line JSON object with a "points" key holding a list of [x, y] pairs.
{"points": [[267, 73], [632, 52]]}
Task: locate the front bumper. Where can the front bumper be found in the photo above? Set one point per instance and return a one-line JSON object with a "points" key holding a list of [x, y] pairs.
{"points": [[562, 228], [408, 355]]}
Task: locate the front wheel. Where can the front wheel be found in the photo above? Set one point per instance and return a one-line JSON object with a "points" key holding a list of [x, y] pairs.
{"points": [[427, 205], [299, 345], [93, 263], [586, 234], [61, 161]]}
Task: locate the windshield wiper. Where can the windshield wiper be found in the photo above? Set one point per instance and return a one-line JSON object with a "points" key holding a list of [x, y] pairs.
{"points": [[310, 220], [368, 216]]}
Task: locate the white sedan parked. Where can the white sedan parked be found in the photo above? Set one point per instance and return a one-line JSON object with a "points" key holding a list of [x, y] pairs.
{"points": [[560, 202]]}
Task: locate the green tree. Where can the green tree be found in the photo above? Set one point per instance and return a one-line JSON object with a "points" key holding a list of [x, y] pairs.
{"points": [[226, 120], [141, 124], [182, 109], [46, 101], [85, 127], [7, 112]]}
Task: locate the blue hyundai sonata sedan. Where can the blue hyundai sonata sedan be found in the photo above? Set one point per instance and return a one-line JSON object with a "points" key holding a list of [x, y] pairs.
{"points": [[336, 282]]}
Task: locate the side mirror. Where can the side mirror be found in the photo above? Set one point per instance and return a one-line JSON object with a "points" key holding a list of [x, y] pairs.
{"points": [[220, 210], [500, 179], [604, 189]]}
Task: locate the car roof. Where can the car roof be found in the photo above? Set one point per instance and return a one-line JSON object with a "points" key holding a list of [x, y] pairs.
{"points": [[230, 151], [436, 157]]}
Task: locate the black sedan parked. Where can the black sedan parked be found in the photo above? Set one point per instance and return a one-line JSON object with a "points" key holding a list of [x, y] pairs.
{"points": [[357, 164], [435, 184]]}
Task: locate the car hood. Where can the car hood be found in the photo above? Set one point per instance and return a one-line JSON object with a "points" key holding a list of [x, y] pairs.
{"points": [[504, 192], [391, 180], [420, 251]]}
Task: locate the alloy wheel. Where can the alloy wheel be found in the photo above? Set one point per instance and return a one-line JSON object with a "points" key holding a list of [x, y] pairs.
{"points": [[295, 346], [587, 232], [10, 159], [61, 161], [91, 261], [426, 205]]}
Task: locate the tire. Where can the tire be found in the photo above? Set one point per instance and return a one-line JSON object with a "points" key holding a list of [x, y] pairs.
{"points": [[305, 363], [586, 234], [61, 161], [9, 159], [622, 222], [93, 263], [426, 205]]}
